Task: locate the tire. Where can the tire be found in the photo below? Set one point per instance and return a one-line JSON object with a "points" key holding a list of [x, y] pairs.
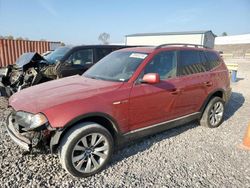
{"points": [[212, 116], [3, 102], [79, 156]]}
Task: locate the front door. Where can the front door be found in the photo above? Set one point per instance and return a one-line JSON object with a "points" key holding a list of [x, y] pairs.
{"points": [[152, 104]]}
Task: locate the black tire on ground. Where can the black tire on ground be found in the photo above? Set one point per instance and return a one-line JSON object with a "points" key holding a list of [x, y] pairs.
{"points": [[213, 114], [3, 102], [77, 143]]}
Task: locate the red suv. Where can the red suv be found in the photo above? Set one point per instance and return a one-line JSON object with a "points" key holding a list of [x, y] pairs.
{"points": [[129, 94]]}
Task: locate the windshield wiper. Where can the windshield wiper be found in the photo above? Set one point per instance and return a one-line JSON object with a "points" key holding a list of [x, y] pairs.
{"points": [[101, 78]]}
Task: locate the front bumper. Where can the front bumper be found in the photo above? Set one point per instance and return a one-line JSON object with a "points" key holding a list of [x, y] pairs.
{"points": [[26, 140], [16, 136]]}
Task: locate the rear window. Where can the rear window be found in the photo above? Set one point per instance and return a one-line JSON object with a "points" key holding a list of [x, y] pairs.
{"points": [[190, 62]]}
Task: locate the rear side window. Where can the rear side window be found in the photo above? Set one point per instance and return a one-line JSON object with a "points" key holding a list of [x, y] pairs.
{"points": [[204, 60], [212, 60], [190, 62]]}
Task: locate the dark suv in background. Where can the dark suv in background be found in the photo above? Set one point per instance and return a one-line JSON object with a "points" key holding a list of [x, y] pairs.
{"points": [[32, 68], [128, 94], [76, 60]]}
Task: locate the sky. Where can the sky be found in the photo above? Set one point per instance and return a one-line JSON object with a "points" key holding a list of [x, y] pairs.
{"points": [[82, 21]]}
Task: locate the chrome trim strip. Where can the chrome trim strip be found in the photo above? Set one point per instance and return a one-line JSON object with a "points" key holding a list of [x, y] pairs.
{"points": [[120, 102], [158, 124]]}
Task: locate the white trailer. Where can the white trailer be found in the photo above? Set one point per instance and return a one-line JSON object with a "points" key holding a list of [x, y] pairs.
{"points": [[205, 38]]}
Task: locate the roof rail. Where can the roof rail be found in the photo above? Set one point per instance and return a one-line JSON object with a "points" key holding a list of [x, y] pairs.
{"points": [[180, 44]]}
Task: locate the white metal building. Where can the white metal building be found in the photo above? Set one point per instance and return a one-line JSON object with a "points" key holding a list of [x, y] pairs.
{"points": [[234, 39], [205, 38]]}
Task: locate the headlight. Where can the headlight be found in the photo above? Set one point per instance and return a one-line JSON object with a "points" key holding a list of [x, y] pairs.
{"points": [[30, 121], [3, 71]]}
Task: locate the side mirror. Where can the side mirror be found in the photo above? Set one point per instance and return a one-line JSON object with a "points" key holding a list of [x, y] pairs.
{"points": [[151, 78]]}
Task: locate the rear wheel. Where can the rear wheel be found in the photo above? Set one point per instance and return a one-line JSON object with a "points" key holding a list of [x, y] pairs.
{"points": [[213, 115], [86, 149]]}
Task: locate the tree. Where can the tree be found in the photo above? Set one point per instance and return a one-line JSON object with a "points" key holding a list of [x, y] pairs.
{"points": [[19, 38], [224, 34], [9, 37], [104, 38]]}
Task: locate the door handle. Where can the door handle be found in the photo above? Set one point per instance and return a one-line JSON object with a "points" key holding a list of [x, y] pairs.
{"points": [[208, 84], [175, 91]]}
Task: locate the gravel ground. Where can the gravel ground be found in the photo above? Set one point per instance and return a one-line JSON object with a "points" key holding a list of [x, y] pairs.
{"points": [[189, 156]]}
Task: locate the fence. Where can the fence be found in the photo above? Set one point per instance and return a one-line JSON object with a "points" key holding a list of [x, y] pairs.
{"points": [[10, 50]]}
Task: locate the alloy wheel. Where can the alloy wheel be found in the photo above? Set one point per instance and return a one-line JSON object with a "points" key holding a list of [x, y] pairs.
{"points": [[216, 113], [90, 152]]}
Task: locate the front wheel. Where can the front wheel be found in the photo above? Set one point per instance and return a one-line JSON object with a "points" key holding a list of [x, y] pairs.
{"points": [[86, 149], [213, 115]]}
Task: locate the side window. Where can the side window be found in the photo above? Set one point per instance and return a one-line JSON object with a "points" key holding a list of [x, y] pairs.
{"points": [[164, 64], [82, 57], [190, 62], [102, 52], [213, 60], [204, 60]]}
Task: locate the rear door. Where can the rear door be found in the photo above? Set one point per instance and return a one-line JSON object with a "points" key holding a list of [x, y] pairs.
{"points": [[219, 75], [194, 81]]}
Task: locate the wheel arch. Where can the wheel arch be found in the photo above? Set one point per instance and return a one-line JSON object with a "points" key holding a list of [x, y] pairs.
{"points": [[216, 93], [103, 119]]}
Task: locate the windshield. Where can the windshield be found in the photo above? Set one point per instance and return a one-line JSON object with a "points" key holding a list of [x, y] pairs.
{"points": [[57, 55], [117, 66]]}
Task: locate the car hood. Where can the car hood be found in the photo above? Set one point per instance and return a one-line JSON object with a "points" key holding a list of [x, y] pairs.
{"points": [[29, 57], [43, 96]]}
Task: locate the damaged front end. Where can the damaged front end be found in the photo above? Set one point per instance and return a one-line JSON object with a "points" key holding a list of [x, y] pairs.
{"points": [[28, 130], [29, 70]]}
